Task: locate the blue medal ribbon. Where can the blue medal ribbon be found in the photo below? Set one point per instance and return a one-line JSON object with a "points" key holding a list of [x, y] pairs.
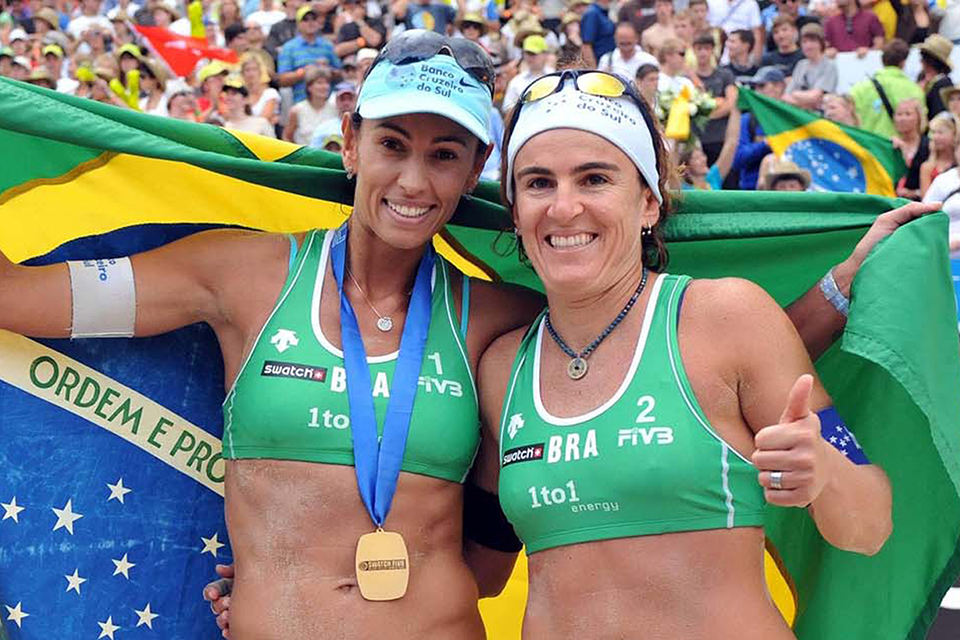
{"points": [[377, 461]]}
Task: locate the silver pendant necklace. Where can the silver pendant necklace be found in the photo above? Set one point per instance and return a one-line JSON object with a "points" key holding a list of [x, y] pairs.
{"points": [[384, 323], [577, 367]]}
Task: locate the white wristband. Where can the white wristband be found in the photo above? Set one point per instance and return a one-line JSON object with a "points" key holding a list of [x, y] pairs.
{"points": [[104, 298], [833, 294]]}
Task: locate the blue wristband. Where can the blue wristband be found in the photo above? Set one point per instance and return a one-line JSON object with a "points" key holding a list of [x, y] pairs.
{"points": [[835, 432], [833, 294]]}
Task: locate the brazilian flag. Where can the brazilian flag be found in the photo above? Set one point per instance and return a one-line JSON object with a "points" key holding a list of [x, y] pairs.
{"points": [[111, 474], [838, 157]]}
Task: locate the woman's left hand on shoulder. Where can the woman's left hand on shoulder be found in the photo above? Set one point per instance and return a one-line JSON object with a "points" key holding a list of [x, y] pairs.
{"points": [[793, 447]]}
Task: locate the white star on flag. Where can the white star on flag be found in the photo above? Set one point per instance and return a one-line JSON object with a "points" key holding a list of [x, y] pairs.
{"points": [[17, 614], [12, 510], [66, 517], [107, 628], [74, 581], [123, 566], [211, 545], [117, 491], [146, 616]]}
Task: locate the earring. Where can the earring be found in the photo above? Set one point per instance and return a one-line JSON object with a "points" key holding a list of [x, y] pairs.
{"points": [[646, 231], [349, 173]]}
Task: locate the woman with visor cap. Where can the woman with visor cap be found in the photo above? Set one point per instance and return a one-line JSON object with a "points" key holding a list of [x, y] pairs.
{"points": [[636, 451], [343, 496]]}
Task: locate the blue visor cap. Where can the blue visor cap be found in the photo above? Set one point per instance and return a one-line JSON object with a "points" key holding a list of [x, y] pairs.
{"points": [[436, 85]]}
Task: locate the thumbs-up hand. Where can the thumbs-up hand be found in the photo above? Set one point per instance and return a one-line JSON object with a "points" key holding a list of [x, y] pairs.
{"points": [[791, 455]]}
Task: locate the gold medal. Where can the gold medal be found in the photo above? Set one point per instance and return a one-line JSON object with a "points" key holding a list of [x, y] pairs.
{"points": [[383, 566]]}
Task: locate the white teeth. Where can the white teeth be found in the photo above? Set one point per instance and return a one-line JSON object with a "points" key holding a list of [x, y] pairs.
{"points": [[565, 242], [407, 212]]}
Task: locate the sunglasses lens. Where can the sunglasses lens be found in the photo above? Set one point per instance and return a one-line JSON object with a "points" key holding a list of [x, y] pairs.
{"points": [[601, 84], [541, 88]]}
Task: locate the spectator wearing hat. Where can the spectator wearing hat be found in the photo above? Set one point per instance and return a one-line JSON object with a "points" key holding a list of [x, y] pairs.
{"points": [[738, 48], [41, 77], [426, 14], [628, 56], [237, 110], [307, 115], [788, 53], [719, 83], [19, 42], [357, 30], [20, 68], [53, 60], [211, 79], [950, 96], [815, 75], [283, 30], [46, 26], [785, 175], [570, 42], [129, 58], [304, 52], [153, 85], [165, 15], [876, 98], [853, 29], [122, 32], [752, 147], [935, 67], [472, 27], [90, 16], [596, 31], [662, 28], [124, 10], [534, 65]]}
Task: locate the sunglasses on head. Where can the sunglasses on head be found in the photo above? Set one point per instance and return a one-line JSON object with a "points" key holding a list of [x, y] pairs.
{"points": [[594, 83], [417, 45]]}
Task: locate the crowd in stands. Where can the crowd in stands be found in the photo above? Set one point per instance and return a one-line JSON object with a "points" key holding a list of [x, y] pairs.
{"points": [[299, 66]]}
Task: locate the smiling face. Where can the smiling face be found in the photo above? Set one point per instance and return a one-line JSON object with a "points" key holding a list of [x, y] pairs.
{"points": [[411, 172], [942, 136], [580, 206], [907, 117]]}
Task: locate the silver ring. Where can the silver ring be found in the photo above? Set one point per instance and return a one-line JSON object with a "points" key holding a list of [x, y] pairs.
{"points": [[776, 480]]}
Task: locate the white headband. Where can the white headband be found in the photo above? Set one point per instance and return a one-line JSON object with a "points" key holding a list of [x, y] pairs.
{"points": [[617, 120]]}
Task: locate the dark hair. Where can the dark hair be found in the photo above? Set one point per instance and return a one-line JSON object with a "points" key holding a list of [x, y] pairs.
{"points": [[704, 38], [746, 35], [654, 247], [627, 23], [696, 2], [646, 69], [232, 31], [895, 53], [938, 65]]}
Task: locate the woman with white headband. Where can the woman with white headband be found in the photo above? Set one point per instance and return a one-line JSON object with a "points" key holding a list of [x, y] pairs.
{"points": [[647, 418], [341, 493]]}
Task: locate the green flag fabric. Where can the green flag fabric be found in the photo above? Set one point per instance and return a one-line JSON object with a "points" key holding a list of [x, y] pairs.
{"points": [[72, 168], [839, 157]]}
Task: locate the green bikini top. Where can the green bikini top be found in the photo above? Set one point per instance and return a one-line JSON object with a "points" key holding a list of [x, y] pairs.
{"points": [[289, 401], [644, 462]]}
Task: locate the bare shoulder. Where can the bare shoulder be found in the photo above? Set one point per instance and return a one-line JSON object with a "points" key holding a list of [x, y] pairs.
{"points": [[730, 304], [496, 364]]}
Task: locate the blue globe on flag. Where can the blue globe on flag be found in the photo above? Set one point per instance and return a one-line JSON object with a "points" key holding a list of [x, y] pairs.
{"points": [[831, 166]]}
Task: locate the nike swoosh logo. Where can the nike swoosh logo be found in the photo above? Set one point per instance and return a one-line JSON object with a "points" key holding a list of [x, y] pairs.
{"points": [[464, 83]]}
